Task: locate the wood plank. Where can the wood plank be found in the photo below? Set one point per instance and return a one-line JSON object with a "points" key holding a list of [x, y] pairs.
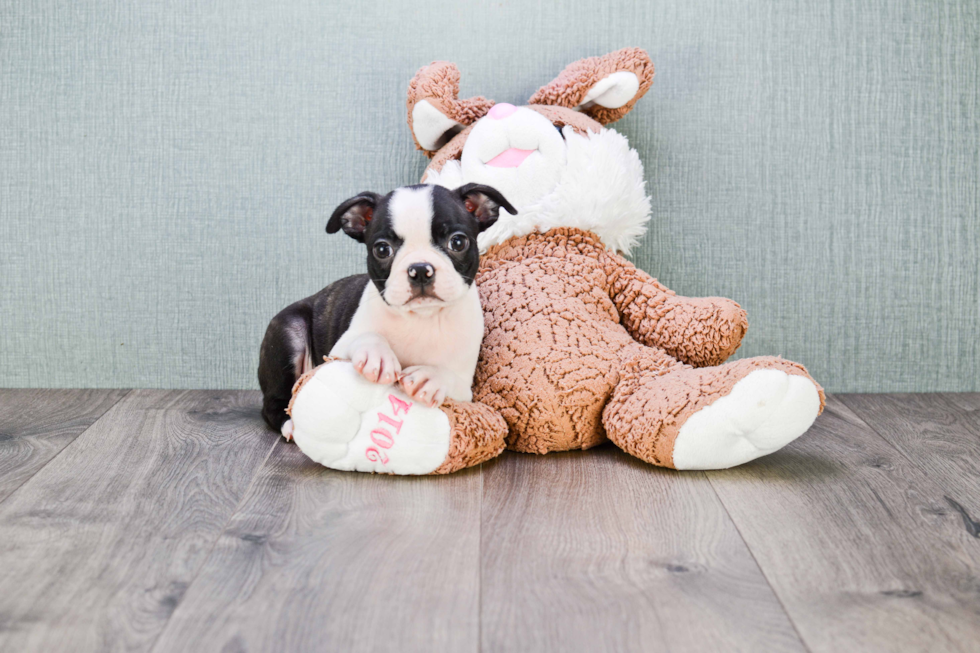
{"points": [[938, 436], [99, 546], [318, 559], [35, 425], [859, 544], [966, 401], [598, 551]]}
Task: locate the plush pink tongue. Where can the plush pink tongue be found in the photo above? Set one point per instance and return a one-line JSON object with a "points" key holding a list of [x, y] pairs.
{"points": [[510, 158]]}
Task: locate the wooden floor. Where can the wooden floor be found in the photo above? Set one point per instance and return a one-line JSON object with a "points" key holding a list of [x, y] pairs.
{"points": [[149, 520]]}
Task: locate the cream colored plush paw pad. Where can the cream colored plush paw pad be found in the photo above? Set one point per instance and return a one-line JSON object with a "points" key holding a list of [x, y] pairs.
{"points": [[764, 411], [345, 422]]}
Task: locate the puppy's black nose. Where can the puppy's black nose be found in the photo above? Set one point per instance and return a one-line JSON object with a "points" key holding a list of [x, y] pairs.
{"points": [[421, 274]]}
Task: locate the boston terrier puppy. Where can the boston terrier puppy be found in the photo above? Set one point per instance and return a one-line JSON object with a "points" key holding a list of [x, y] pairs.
{"points": [[414, 318]]}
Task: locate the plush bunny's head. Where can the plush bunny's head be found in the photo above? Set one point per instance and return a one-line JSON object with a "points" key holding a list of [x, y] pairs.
{"points": [[553, 159]]}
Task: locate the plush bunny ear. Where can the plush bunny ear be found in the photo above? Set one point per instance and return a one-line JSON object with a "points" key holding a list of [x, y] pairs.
{"points": [[435, 112], [605, 88]]}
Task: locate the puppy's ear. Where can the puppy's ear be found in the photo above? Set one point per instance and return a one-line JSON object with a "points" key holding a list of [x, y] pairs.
{"points": [[484, 202], [354, 215]]}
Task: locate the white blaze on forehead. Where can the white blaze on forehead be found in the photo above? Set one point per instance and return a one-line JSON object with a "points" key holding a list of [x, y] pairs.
{"points": [[410, 212]]}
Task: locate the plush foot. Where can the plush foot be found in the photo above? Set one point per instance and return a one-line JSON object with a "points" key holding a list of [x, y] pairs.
{"points": [[764, 412], [343, 421], [714, 418]]}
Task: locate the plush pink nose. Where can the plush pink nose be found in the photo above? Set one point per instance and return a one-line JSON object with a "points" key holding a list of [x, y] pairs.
{"points": [[501, 111]]}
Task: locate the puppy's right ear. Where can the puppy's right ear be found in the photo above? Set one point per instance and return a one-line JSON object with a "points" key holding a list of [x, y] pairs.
{"points": [[354, 215], [484, 202]]}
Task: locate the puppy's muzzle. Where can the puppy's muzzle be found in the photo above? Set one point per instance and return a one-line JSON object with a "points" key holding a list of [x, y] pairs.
{"points": [[421, 275]]}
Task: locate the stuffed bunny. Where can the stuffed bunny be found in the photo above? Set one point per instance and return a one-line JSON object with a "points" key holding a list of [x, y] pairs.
{"points": [[580, 346]]}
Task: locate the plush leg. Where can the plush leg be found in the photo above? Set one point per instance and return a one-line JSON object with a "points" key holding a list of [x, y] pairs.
{"points": [[711, 417], [342, 421]]}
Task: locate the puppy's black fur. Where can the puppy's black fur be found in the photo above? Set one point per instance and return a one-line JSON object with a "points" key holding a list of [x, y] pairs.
{"points": [[304, 332], [313, 324]]}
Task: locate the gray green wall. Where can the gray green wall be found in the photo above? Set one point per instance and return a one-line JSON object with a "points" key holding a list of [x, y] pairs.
{"points": [[166, 169]]}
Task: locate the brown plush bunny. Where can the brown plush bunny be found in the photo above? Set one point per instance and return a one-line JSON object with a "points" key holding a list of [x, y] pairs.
{"points": [[580, 345]]}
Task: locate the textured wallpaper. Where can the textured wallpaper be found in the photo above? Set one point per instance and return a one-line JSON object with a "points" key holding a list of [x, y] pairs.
{"points": [[167, 169]]}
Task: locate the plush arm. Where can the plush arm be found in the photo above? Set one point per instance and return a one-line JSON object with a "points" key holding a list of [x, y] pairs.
{"points": [[699, 331]]}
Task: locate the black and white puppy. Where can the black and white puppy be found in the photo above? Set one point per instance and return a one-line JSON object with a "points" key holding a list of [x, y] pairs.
{"points": [[414, 318]]}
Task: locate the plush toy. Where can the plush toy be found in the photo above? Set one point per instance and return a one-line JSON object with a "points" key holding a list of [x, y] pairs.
{"points": [[580, 346]]}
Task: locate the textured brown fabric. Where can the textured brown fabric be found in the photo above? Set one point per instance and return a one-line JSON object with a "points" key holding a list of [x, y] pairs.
{"points": [[699, 331], [649, 407], [439, 84], [574, 82], [570, 325], [549, 358], [561, 116], [478, 434]]}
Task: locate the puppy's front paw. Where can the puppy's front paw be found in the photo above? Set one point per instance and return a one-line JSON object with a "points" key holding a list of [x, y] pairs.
{"points": [[377, 363], [425, 384]]}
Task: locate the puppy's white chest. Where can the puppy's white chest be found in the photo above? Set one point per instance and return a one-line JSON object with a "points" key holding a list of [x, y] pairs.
{"points": [[449, 338], [433, 341]]}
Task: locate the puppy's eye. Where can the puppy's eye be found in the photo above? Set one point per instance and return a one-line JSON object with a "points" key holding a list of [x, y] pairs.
{"points": [[382, 250], [459, 243]]}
